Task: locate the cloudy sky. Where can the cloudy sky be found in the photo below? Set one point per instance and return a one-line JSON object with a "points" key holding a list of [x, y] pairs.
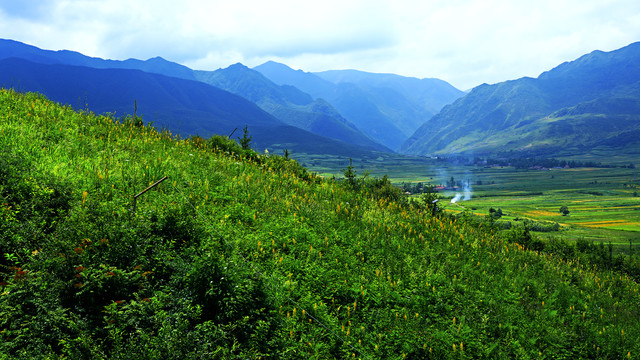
{"points": [[465, 42]]}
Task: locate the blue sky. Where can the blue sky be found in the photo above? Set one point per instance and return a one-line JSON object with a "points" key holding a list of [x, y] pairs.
{"points": [[465, 42]]}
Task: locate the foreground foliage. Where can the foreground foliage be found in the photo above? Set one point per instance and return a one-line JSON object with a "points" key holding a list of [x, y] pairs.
{"points": [[239, 255]]}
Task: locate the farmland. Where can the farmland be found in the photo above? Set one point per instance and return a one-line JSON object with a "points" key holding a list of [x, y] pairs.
{"points": [[604, 203]]}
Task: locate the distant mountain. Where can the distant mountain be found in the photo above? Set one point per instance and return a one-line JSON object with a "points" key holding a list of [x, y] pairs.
{"points": [[185, 107], [197, 107], [428, 94], [158, 65], [288, 104], [346, 98], [590, 104], [387, 108]]}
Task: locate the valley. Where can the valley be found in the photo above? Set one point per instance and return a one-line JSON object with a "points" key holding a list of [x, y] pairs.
{"points": [[309, 237], [604, 203], [240, 255]]}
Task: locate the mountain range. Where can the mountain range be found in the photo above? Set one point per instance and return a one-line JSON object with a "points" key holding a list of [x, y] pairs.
{"points": [[286, 104], [185, 107], [586, 106], [389, 108], [166, 93], [590, 105]]}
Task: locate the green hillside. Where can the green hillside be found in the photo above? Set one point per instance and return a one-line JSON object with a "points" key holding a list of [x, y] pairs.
{"points": [[579, 108], [244, 256]]}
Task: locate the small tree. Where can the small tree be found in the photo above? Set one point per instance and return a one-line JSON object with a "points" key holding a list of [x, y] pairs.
{"points": [[350, 174], [564, 210], [451, 182], [430, 198], [496, 214], [245, 140]]}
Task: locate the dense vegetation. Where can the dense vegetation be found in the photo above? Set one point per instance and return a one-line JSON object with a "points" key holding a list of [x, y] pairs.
{"points": [[240, 255], [527, 163]]}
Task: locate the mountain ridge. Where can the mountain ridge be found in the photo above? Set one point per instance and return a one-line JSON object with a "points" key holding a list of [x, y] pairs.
{"points": [[541, 116], [332, 125], [382, 112], [11, 48], [288, 104], [186, 107]]}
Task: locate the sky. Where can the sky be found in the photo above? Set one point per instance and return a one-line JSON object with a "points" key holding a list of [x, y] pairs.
{"points": [[464, 42]]}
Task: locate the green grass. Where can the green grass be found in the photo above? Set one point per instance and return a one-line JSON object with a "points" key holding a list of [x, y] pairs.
{"points": [[254, 257]]}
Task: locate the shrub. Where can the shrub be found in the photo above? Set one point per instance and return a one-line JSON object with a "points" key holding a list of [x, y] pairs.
{"points": [[522, 236]]}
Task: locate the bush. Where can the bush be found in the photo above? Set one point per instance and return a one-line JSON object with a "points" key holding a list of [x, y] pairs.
{"points": [[541, 226], [522, 236], [381, 188], [227, 146], [561, 248]]}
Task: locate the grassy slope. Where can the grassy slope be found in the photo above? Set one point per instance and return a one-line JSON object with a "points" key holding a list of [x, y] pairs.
{"points": [[230, 258]]}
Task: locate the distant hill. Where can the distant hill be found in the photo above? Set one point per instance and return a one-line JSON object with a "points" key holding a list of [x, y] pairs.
{"points": [[378, 104], [590, 104], [429, 95], [185, 107], [288, 104], [158, 65]]}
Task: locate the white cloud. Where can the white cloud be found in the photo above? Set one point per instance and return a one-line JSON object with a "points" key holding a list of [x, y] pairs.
{"points": [[465, 42]]}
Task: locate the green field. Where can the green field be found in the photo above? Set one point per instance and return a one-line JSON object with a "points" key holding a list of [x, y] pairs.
{"points": [[601, 201]]}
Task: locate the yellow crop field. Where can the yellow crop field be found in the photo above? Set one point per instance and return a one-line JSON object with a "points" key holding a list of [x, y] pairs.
{"points": [[609, 223], [537, 213]]}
